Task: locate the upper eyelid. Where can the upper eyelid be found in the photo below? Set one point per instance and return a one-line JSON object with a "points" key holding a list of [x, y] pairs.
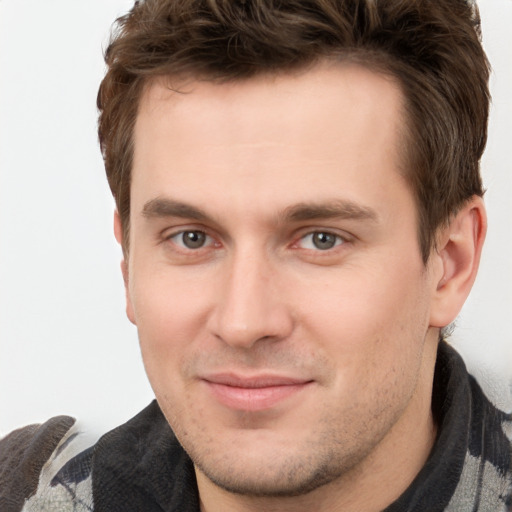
{"points": [[180, 225], [179, 246], [325, 232], [169, 232], [173, 233], [343, 240], [303, 232]]}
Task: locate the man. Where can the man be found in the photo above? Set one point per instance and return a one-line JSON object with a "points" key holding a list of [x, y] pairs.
{"points": [[299, 207]]}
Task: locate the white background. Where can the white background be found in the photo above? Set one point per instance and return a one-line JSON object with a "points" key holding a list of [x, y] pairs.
{"points": [[65, 344]]}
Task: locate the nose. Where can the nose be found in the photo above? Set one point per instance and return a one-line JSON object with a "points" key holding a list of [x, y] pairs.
{"points": [[251, 305]]}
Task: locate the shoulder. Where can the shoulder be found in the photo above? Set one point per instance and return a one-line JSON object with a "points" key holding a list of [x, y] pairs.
{"points": [[46, 467], [487, 470], [472, 457]]}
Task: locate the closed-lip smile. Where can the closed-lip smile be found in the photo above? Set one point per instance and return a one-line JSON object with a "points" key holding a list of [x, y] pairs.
{"points": [[253, 393]]}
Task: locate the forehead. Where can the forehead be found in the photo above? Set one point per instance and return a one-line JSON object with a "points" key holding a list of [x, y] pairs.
{"points": [[302, 134], [272, 101]]}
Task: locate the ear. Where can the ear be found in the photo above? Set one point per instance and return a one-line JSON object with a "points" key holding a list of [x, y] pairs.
{"points": [[456, 261], [118, 233]]}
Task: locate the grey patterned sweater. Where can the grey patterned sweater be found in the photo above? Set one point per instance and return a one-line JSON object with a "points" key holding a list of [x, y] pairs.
{"points": [[140, 466]]}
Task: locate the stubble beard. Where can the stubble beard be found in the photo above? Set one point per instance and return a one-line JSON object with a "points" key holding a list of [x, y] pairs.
{"points": [[335, 453], [294, 479], [327, 458]]}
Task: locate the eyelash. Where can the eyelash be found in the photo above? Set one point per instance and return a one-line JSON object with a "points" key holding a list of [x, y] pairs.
{"points": [[181, 233], [337, 240]]}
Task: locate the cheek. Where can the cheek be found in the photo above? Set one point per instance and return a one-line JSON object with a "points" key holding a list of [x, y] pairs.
{"points": [[368, 319], [166, 301], [358, 301], [168, 314]]}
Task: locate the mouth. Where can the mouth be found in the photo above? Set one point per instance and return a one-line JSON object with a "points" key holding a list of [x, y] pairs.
{"points": [[253, 393]]}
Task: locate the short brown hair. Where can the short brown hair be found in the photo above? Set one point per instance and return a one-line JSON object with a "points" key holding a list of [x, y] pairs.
{"points": [[432, 48]]}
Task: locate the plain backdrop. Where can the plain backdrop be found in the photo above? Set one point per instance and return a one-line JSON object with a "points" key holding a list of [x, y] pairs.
{"points": [[65, 343]]}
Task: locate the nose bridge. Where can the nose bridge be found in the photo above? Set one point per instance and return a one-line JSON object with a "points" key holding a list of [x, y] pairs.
{"points": [[250, 306]]}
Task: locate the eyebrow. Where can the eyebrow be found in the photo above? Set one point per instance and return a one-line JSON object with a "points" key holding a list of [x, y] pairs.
{"points": [[335, 209], [163, 207]]}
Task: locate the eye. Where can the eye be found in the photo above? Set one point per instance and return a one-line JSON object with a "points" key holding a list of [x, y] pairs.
{"points": [[193, 239], [320, 240]]}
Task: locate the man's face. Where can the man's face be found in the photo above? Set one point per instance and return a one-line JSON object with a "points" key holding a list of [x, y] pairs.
{"points": [[275, 276]]}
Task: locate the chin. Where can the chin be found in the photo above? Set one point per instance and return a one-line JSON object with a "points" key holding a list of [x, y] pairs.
{"points": [[288, 479]]}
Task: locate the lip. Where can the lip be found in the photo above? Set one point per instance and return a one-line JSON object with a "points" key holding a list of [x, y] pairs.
{"points": [[255, 393]]}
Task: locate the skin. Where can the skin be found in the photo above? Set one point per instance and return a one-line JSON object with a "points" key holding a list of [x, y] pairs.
{"points": [[228, 274]]}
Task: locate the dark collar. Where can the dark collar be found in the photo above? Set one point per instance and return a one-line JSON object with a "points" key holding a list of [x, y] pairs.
{"points": [[468, 424], [140, 466]]}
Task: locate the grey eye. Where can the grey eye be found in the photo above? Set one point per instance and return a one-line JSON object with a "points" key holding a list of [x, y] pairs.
{"points": [[320, 240], [191, 239], [324, 240]]}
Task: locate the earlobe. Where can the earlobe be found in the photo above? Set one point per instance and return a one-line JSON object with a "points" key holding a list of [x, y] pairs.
{"points": [[458, 257], [118, 233]]}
